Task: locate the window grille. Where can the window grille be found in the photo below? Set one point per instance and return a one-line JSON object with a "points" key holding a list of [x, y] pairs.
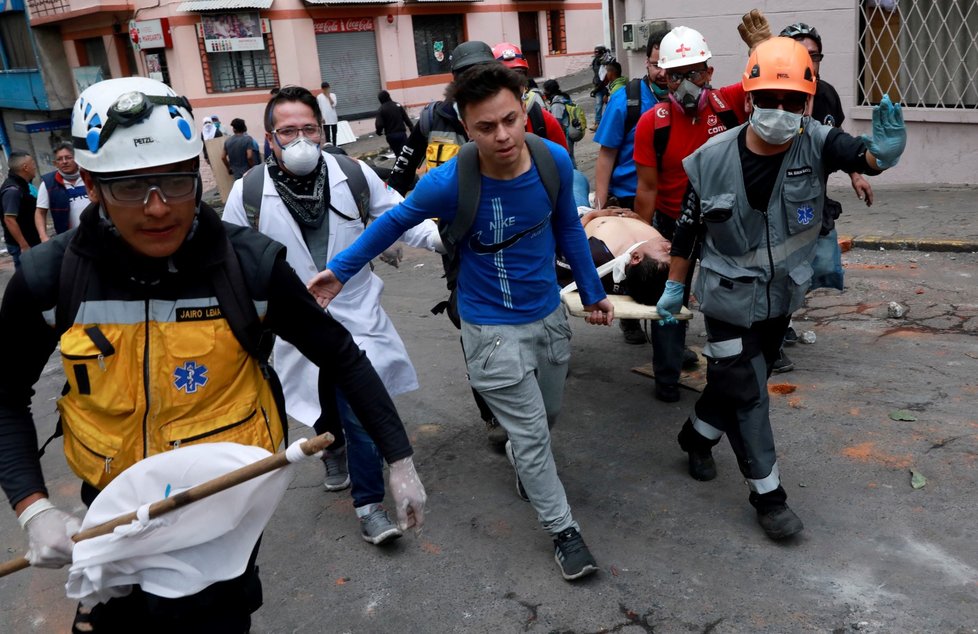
{"points": [[238, 70], [923, 53]]}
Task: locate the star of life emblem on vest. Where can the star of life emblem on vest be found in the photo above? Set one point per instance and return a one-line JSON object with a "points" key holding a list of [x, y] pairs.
{"points": [[189, 377], [805, 215]]}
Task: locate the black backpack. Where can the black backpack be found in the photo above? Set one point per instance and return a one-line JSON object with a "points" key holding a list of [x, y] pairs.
{"points": [[469, 191]]}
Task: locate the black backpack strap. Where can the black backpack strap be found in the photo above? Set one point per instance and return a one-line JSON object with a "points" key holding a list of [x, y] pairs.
{"points": [[357, 183], [633, 104], [660, 137], [239, 311], [537, 122], [252, 185], [72, 284]]}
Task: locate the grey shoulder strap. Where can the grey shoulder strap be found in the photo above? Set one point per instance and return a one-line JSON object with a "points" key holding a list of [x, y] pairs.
{"points": [[469, 190], [546, 166], [357, 183], [253, 182]]}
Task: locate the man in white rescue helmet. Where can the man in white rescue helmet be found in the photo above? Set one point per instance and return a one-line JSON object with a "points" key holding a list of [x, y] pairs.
{"points": [[162, 313]]}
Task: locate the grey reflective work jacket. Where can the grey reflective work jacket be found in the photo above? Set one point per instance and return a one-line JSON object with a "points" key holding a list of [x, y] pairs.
{"points": [[756, 265]]}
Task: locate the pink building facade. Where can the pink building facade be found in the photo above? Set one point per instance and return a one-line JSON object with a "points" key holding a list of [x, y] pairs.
{"points": [[225, 55]]}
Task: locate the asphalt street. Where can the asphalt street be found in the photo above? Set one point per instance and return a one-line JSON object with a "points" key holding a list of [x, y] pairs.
{"points": [[675, 555]]}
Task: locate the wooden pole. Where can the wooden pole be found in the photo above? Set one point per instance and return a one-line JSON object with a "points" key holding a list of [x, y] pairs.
{"points": [[193, 494]]}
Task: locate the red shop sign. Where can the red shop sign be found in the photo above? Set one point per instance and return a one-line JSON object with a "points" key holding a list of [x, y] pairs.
{"points": [[343, 25]]}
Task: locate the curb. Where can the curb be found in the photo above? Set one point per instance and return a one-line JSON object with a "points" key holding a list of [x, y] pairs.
{"points": [[909, 243]]}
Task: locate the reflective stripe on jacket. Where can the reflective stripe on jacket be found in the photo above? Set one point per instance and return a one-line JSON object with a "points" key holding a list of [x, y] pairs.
{"points": [[149, 375]]}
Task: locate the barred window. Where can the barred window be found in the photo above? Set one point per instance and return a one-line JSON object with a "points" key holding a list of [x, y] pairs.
{"points": [[236, 70], [923, 53]]}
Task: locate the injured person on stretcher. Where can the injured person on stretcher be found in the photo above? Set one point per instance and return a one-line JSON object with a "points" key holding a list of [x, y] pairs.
{"points": [[632, 258]]}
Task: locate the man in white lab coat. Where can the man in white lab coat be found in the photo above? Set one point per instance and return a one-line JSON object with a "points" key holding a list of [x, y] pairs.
{"points": [[308, 205]]}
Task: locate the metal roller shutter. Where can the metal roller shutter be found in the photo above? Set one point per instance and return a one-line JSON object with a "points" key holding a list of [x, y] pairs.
{"points": [[348, 61]]}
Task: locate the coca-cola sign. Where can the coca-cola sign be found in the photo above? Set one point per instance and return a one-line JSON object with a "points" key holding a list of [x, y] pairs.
{"points": [[343, 25]]}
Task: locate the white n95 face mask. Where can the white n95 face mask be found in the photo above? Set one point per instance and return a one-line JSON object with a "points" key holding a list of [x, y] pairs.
{"points": [[775, 126], [301, 156]]}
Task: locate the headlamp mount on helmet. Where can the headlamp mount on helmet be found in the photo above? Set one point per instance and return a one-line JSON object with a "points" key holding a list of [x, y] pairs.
{"points": [[128, 110]]}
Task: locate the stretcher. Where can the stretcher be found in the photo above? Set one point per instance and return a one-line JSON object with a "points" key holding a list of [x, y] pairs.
{"points": [[625, 307]]}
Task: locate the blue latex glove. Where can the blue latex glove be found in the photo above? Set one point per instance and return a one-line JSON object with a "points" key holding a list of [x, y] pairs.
{"points": [[671, 302], [889, 134]]}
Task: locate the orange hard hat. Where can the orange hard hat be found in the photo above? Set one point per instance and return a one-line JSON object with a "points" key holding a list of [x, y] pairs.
{"points": [[510, 55], [780, 63]]}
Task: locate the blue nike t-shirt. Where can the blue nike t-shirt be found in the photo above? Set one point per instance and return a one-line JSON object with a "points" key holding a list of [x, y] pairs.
{"points": [[506, 261]]}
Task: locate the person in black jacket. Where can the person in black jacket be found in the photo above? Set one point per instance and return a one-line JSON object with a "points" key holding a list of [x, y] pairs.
{"points": [[393, 122], [158, 347]]}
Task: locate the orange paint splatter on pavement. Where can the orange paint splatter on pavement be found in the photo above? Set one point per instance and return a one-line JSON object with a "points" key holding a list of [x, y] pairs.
{"points": [[871, 485], [342, 581], [854, 411], [781, 388], [794, 402], [869, 452], [431, 549]]}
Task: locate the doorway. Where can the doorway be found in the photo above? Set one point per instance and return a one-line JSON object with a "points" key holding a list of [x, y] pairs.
{"points": [[530, 41]]}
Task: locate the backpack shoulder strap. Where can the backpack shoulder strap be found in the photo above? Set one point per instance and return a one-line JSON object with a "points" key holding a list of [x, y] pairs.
{"points": [[425, 118], [237, 308], [663, 124], [239, 311], [72, 284], [537, 122], [546, 166], [724, 112], [469, 191], [253, 182], [357, 183], [633, 104]]}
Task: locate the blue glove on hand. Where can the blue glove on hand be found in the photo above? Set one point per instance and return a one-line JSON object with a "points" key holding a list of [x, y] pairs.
{"points": [[889, 134], [671, 302]]}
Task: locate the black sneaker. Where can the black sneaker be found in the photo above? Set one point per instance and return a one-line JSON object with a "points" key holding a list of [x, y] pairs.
{"points": [[666, 393], [780, 522], [701, 464], [632, 329], [790, 337], [495, 433], [783, 363], [572, 555]]}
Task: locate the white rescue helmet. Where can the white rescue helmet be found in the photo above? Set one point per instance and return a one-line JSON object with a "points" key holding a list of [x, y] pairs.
{"points": [[118, 125], [683, 46]]}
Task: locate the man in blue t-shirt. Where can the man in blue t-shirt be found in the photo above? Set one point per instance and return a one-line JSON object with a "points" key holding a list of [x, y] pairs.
{"points": [[514, 330], [614, 171]]}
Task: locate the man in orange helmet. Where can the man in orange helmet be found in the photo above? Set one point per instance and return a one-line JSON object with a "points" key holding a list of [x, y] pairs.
{"points": [[754, 207]]}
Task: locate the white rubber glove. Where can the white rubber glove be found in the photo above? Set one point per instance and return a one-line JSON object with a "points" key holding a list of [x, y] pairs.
{"points": [[409, 495], [49, 532]]}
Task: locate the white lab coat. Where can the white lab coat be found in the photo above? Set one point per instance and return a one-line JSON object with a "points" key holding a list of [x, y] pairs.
{"points": [[357, 307]]}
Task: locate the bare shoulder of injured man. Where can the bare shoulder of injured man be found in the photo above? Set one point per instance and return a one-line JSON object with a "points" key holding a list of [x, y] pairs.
{"points": [[647, 266]]}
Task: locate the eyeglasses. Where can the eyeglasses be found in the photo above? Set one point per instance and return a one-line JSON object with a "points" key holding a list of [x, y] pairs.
{"points": [[290, 134], [816, 57], [791, 102], [692, 75], [172, 187]]}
